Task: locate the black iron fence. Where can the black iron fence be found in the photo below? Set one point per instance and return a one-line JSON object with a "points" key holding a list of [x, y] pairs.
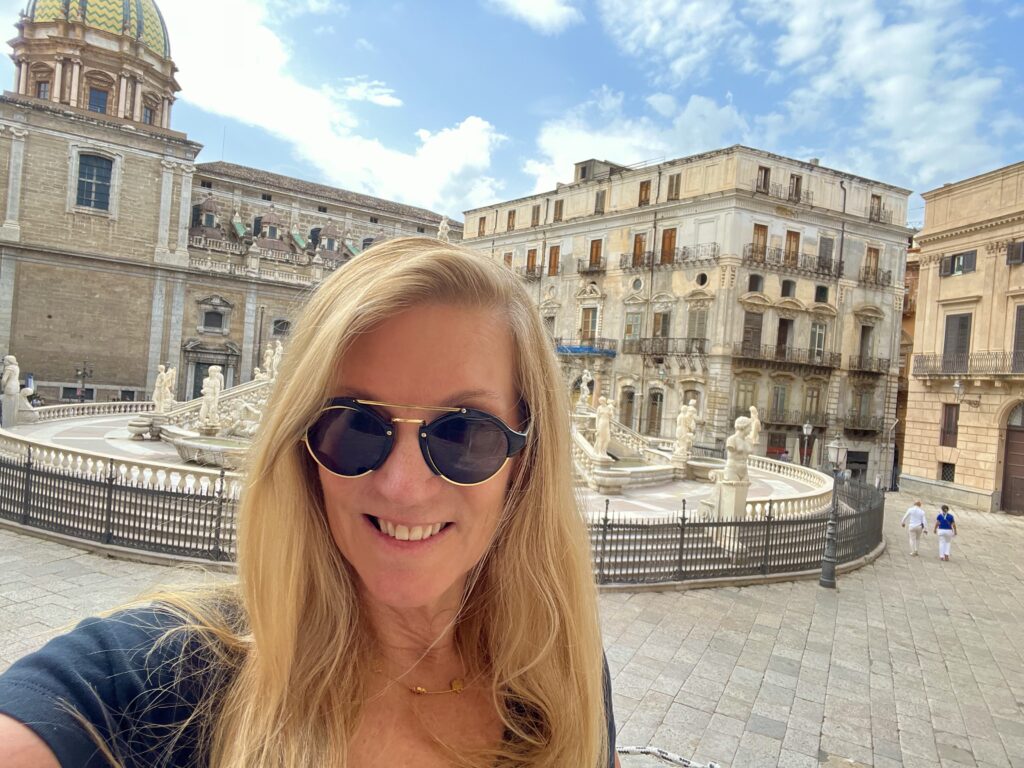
{"points": [[631, 550], [117, 511]]}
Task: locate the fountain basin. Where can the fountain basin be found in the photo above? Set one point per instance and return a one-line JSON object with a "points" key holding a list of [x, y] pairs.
{"points": [[701, 469], [224, 452]]}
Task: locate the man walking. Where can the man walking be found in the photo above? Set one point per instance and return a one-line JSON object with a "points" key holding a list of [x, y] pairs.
{"points": [[915, 520], [945, 526]]}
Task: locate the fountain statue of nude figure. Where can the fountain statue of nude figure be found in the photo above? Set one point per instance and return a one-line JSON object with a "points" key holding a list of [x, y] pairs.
{"points": [[737, 449]]}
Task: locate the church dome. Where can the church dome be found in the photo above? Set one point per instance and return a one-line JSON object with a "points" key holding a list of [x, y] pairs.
{"points": [[138, 19]]}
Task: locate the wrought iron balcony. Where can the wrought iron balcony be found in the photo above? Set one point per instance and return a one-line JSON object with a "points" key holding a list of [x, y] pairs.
{"points": [[783, 417], [592, 266], [860, 422], [880, 214], [875, 276], [770, 353], [586, 345], [533, 272], [634, 262], [867, 364], [974, 365], [783, 192], [661, 346], [779, 258], [688, 255]]}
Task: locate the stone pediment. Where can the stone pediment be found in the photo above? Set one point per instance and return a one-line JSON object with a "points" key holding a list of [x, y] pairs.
{"points": [[868, 314], [789, 308], [755, 301], [824, 310], [635, 298], [664, 302], [699, 295], [589, 291], [215, 301]]}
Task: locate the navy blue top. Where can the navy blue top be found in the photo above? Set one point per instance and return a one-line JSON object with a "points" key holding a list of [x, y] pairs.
{"points": [[945, 521], [131, 688]]}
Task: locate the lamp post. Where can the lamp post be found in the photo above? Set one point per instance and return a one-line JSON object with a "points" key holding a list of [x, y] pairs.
{"points": [[958, 393], [837, 458], [808, 429], [81, 374]]}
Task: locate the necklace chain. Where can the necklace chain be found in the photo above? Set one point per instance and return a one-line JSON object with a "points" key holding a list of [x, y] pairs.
{"points": [[456, 685]]}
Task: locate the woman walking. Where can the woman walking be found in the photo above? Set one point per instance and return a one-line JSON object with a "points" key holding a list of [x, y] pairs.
{"points": [[945, 526]]}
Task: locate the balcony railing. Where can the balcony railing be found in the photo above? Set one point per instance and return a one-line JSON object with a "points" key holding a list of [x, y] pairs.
{"points": [[531, 272], [687, 255], [975, 364], [592, 266], [785, 354], [210, 244], [868, 364], [633, 262], [880, 214], [863, 422], [586, 345], [793, 417], [783, 192], [780, 258], [665, 346], [875, 276]]}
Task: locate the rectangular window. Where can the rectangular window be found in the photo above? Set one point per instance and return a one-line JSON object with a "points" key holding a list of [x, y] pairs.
{"points": [[43, 90], [760, 245], [257, 226], [645, 193], [780, 394], [206, 184], [792, 247], [508, 258], [73, 393], [147, 115], [674, 184], [697, 328], [531, 260], [127, 395], [1018, 340], [94, 174], [950, 423], [595, 253], [796, 187], [668, 246], [826, 247], [639, 246], [321, 209], [282, 327], [272, 232], [266, 197], [746, 393], [947, 472], [817, 342], [599, 201], [588, 324], [752, 323], [374, 220], [958, 263], [662, 325], [875, 209], [421, 230], [209, 220], [764, 179], [776, 445], [1015, 253], [559, 207], [481, 226], [554, 255], [956, 344], [871, 260], [549, 325], [821, 294], [510, 224], [632, 329], [332, 244], [812, 401], [98, 100], [535, 216]]}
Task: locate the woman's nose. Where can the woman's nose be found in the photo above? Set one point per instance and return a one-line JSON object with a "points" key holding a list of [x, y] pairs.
{"points": [[405, 476]]}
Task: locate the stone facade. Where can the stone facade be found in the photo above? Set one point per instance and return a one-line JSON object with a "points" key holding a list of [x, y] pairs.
{"points": [[735, 278], [117, 251], [966, 384]]}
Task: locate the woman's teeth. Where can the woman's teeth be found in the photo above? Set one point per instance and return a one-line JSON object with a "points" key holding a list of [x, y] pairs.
{"points": [[409, 533]]}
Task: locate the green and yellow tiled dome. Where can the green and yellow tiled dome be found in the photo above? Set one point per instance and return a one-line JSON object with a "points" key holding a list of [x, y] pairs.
{"points": [[140, 19]]}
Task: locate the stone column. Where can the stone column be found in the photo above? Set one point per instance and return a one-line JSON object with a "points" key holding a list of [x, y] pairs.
{"points": [[163, 253], [174, 333], [11, 229], [123, 96], [8, 270], [184, 213], [248, 335], [23, 80], [156, 332], [137, 109], [58, 81], [76, 72], [165, 113]]}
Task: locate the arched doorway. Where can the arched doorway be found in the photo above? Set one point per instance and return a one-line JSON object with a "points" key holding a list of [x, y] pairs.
{"points": [[627, 401], [1012, 499], [655, 403]]}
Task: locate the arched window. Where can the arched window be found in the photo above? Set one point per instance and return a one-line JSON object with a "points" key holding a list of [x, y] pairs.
{"points": [[1016, 418], [94, 175], [755, 283], [627, 401], [692, 394], [789, 288], [655, 404]]}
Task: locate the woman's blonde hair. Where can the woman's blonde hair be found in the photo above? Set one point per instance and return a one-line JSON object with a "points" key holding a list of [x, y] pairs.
{"points": [[299, 653]]}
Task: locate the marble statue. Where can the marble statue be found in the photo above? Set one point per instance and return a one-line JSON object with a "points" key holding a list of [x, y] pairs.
{"points": [[245, 420], [737, 448], [10, 383], [268, 360], [442, 230], [755, 425], [26, 411], [213, 384], [585, 380], [686, 427], [260, 375], [171, 386], [160, 390], [276, 361], [605, 412]]}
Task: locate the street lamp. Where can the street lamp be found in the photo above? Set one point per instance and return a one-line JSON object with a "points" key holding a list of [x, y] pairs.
{"points": [[81, 374], [958, 393], [808, 429], [837, 458]]}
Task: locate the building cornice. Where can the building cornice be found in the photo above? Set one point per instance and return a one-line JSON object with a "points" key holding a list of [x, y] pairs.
{"points": [[969, 229]]}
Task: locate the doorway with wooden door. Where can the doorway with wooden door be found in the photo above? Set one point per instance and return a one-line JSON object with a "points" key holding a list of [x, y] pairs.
{"points": [[1012, 498]]}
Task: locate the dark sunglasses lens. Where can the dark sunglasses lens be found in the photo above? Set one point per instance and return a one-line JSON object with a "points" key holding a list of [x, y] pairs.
{"points": [[348, 442], [467, 450]]}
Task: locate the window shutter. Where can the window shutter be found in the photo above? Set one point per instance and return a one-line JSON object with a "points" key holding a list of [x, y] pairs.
{"points": [[946, 266], [970, 261], [1018, 335], [1015, 253], [196, 213]]}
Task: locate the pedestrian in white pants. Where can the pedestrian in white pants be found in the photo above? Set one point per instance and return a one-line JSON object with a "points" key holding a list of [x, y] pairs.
{"points": [[945, 526], [915, 521]]}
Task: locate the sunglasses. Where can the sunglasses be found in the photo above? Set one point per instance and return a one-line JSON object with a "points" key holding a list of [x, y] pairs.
{"points": [[464, 446]]}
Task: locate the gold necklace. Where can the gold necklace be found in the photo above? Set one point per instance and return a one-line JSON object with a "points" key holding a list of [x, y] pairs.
{"points": [[456, 685]]}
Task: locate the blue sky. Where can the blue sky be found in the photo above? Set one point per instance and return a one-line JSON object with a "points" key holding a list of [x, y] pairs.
{"points": [[456, 104]]}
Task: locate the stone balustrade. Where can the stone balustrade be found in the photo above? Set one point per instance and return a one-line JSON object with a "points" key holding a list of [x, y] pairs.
{"points": [[79, 410]]}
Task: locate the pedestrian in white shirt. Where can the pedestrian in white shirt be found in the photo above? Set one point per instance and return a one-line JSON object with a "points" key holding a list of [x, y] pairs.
{"points": [[915, 521]]}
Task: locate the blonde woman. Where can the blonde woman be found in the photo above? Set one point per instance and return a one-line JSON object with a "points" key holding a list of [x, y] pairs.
{"points": [[414, 586]]}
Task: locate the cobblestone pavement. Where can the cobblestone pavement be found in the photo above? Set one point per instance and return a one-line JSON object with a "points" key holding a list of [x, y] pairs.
{"points": [[911, 662]]}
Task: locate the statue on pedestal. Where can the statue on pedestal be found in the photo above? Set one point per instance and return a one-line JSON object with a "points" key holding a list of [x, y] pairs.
{"points": [[260, 375], [442, 230], [26, 411], [737, 448], [278, 354], [212, 386], [160, 390], [10, 382], [755, 425], [605, 412], [584, 399], [245, 420], [268, 360], [686, 427]]}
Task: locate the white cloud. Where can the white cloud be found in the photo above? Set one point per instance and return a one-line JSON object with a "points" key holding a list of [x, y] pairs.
{"points": [[663, 103], [548, 17], [601, 128], [363, 44], [440, 171]]}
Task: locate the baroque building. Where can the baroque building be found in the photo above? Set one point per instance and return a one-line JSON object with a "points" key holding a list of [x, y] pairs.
{"points": [[117, 251], [965, 406], [735, 278]]}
